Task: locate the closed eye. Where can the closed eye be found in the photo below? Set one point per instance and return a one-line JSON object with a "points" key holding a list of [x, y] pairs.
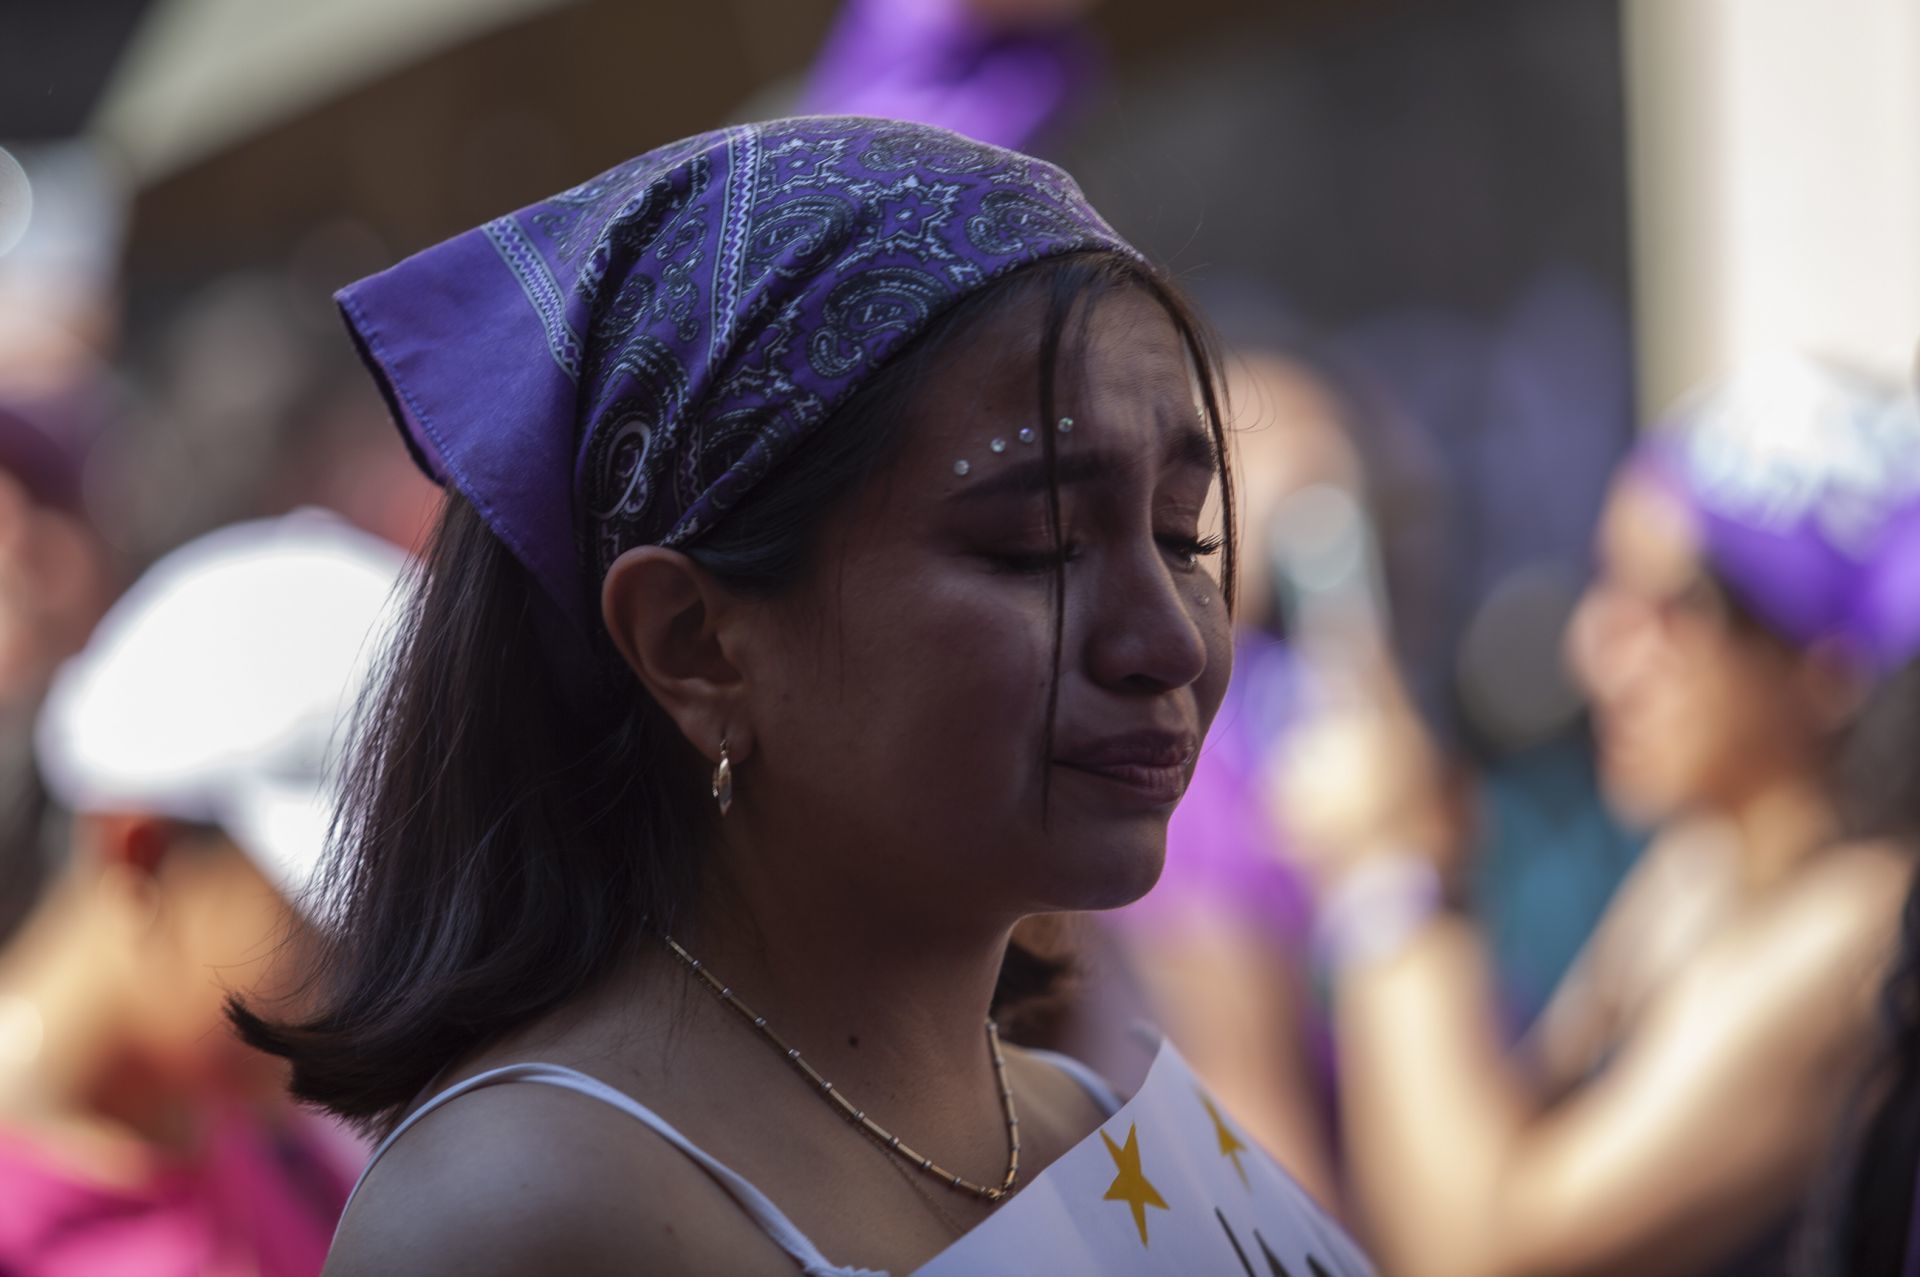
{"points": [[1031, 562], [1188, 551]]}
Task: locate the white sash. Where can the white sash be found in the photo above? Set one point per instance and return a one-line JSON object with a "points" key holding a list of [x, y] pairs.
{"points": [[1167, 1185]]}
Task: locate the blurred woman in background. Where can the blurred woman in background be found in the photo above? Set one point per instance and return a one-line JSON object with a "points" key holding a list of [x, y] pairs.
{"points": [[189, 739], [1749, 651]]}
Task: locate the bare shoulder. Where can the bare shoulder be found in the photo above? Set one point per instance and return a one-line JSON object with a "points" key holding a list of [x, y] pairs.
{"points": [[1847, 902], [1804, 974], [1880, 870], [523, 1179]]}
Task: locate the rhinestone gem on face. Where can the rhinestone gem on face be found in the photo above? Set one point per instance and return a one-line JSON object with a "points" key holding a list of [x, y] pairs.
{"points": [[1066, 425], [998, 445], [960, 468], [1026, 434]]}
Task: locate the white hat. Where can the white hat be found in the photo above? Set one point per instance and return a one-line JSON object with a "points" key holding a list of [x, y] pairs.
{"points": [[219, 688]]}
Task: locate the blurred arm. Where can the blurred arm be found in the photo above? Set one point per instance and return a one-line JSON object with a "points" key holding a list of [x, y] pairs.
{"points": [[1682, 887], [1711, 1113]]}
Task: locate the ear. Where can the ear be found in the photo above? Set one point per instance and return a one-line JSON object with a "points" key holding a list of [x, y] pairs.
{"points": [[1832, 682], [130, 841], [129, 851], [679, 630]]}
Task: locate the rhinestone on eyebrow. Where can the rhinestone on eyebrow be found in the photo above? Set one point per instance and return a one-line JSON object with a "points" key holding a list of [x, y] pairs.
{"points": [[1066, 425], [1026, 434], [998, 445], [961, 467]]}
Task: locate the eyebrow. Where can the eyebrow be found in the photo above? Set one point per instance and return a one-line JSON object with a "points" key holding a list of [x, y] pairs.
{"points": [[1187, 447]]}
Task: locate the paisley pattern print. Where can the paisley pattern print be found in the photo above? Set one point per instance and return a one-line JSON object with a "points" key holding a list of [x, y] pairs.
{"points": [[542, 291], [621, 364]]}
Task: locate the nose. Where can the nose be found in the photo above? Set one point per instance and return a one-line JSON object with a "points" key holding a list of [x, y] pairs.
{"points": [[1144, 632], [1602, 644]]}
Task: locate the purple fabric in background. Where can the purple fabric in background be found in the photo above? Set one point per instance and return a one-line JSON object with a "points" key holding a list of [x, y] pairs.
{"points": [[936, 62], [620, 364]]}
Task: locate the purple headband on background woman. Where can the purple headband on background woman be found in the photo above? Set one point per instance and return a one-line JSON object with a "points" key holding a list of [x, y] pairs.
{"points": [[1804, 485], [619, 365]]}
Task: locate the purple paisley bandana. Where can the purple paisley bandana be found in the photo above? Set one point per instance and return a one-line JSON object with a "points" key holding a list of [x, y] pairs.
{"points": [[620, 364], [1804, 484]]}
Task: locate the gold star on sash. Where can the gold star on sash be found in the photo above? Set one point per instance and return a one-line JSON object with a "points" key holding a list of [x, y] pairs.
{"points": [[1130, 1185], [1230, 1145]]}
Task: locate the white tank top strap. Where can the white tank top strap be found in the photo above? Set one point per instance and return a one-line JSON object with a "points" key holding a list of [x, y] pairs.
{"points": [[1092, 1083], [778, 1228]]}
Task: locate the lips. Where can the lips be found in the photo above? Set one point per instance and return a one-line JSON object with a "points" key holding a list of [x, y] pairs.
{"points": [[1150, 765]]}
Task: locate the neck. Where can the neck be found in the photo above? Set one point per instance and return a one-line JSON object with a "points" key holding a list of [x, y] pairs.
{"points": [[860, 994], [898, 1029], [1781, 824], [883, 995], [68, 1066]]}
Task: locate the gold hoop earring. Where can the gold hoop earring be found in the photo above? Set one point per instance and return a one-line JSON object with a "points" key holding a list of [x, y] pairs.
{"points": [[723, 779]]}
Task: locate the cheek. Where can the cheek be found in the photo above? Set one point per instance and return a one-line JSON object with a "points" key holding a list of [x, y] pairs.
{"points": [[984, 667], [1708, 716], [1657, 726], [1742, 704], [939, 687], [1217, 630]]}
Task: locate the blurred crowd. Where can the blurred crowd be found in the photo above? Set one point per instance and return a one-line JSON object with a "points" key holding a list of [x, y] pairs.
{"points": [[1538, 885]]}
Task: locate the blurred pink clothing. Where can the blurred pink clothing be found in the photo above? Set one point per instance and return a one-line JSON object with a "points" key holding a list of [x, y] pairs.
{"points": [[255, 1203]]}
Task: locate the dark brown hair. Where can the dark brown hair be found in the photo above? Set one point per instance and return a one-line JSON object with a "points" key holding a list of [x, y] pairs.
{"points": [[1868, 1222], [1873, 790], [492, 858], [1871, 1220]]}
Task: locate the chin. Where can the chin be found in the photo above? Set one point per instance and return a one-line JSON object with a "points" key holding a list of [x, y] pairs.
{"points": [[1107, 874], [1637, 800]]}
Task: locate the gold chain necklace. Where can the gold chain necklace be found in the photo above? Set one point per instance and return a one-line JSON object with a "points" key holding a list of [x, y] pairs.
{"points": [[878, 1133]]}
